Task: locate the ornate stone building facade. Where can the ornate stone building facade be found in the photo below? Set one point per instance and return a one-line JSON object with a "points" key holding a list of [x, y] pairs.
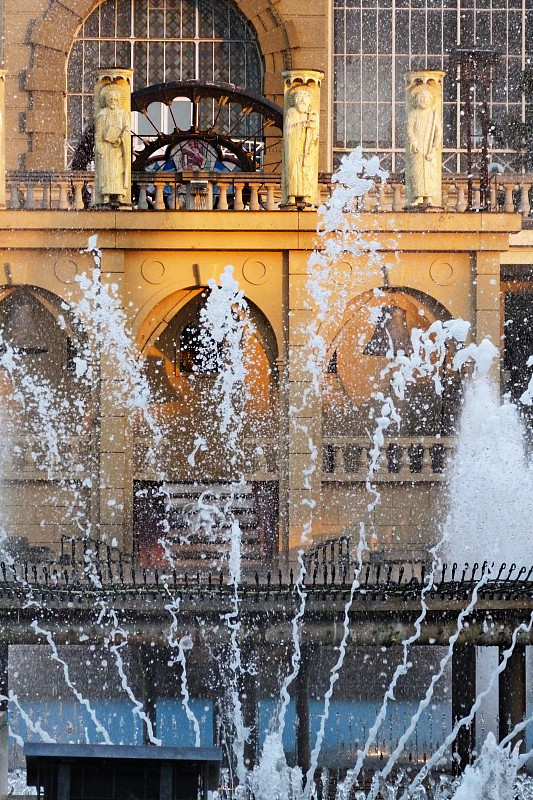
{"points": [[207, 128]]}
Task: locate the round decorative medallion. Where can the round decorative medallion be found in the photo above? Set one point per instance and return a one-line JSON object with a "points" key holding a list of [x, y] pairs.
{"points": [[442, 272], [341, 273], [255, 272], [153, 271], [65, 269]]}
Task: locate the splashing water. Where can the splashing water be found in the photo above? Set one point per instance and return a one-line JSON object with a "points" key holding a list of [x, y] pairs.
{"points": [[492, 776], [491, 483], [223, 316]]}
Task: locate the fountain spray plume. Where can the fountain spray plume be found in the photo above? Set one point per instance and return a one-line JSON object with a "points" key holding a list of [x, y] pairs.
{"points": [[183, 644], [335, 670], [338, 238], [99, 309], [490, 467], [225, 323], [272, 777]]}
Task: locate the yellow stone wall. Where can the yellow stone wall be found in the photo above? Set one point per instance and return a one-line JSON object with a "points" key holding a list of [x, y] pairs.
{"points": [[451, 260]]}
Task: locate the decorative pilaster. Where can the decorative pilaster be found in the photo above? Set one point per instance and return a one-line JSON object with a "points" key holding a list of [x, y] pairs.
{"points": [[3, 74], [301, 137], [112, 137], [423, 154]]}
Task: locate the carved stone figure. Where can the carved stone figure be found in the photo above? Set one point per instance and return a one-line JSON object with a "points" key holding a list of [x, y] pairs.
{"points": [[112, 146], [424, 147], [300, 141]]}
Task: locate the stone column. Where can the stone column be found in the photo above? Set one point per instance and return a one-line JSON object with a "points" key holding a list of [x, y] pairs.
{"points": [[112, 137], [487, 305], [3, 74], [250, 708], [299, 188], [4, 657], [423, 154], [304, 413], [303, 742], [463, 698], [512, 694]]}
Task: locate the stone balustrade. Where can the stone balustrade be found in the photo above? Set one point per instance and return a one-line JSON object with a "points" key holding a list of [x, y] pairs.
{"points": [[509, 193], [240, 191], [412, 459]]}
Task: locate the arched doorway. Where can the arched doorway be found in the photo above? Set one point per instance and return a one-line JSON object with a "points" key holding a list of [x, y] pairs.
{"points": [[185, 518]]}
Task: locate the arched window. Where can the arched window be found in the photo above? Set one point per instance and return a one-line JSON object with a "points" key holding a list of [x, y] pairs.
{"points": [[163, 41], [376, 43]]}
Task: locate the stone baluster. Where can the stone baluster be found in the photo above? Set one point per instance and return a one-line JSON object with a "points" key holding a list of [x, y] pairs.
{"points": [[14, 197], [460, 203], [79, 205], [223, 187], [159, 202], [254, 199], [405, 464], [170, 196], [451, 192], [270, 197], [142, 205], [427, 464], [383, 200], [338, 461], [493, 196], [368, 454], [64, 188], [476, 197], [371, 199], [525, 206], [509, 202], [397, 202], [30, 195], [47, 195], [238, 204]]}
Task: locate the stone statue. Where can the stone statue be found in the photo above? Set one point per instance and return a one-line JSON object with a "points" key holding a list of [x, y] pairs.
{"points": [[112, 147], [300, 150], [423, 157]]}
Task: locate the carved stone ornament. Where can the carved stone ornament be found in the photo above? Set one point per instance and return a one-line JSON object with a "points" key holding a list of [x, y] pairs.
{"points": [[301, 138], [423, 154], [112, 138]]}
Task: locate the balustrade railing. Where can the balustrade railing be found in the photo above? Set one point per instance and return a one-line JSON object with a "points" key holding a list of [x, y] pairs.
{"points": [[210, 191], [400, 459], [508, 193]]}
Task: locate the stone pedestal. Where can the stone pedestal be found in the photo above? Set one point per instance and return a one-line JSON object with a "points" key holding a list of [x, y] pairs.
{"points": [[423, 153], [112, 137], [463, 698], [512, 695], [301, 138]]}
